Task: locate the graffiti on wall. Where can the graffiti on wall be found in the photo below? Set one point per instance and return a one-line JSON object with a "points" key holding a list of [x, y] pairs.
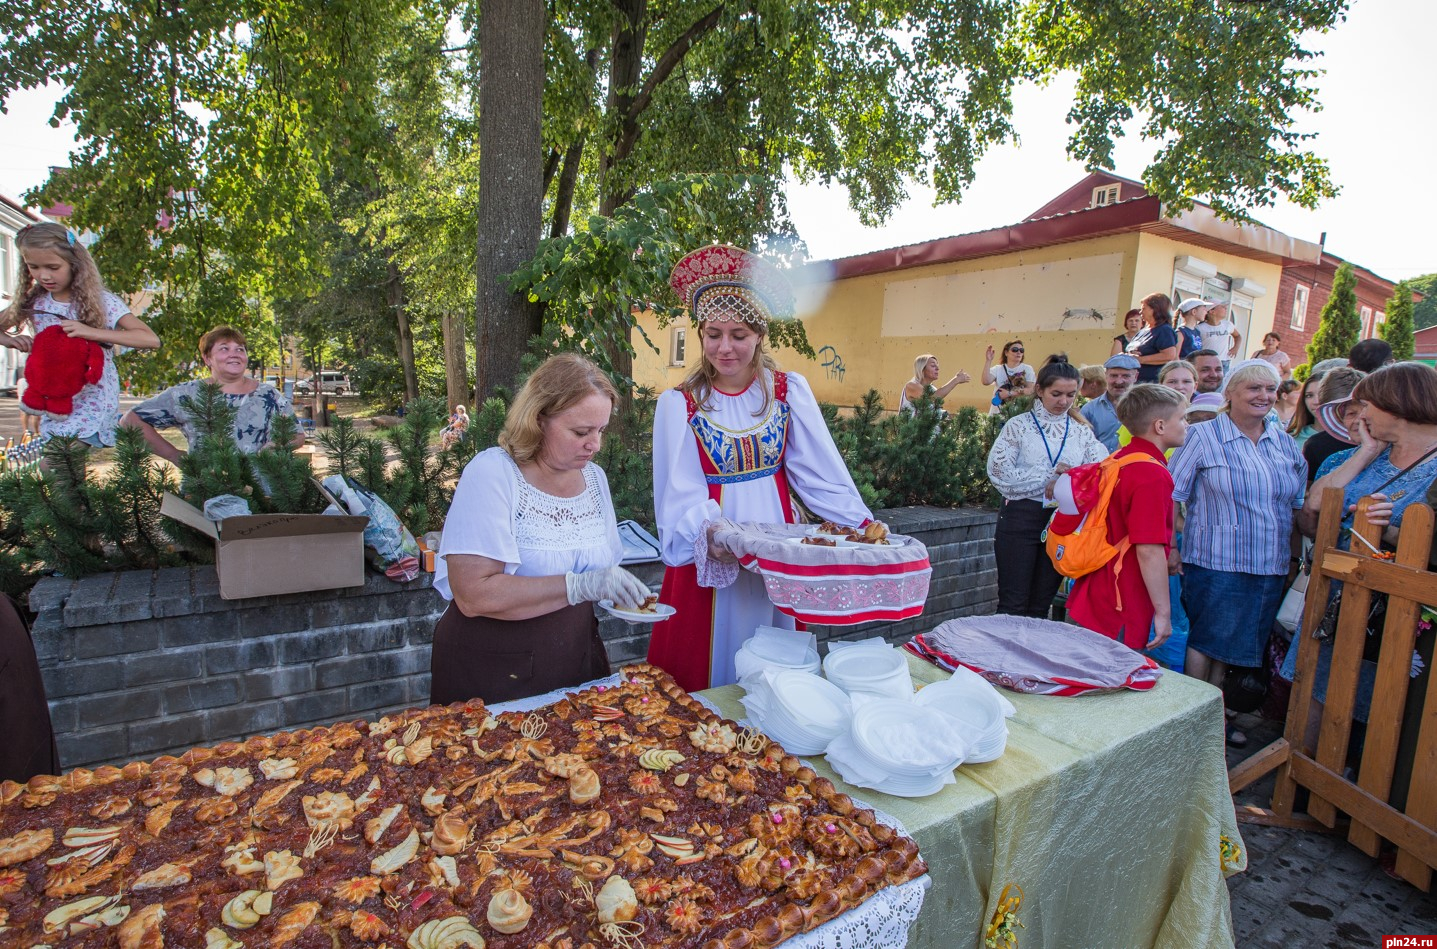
{"points": [[832, 363]]}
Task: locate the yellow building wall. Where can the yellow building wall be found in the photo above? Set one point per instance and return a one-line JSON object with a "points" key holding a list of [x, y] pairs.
{"points": [[868, 330]]}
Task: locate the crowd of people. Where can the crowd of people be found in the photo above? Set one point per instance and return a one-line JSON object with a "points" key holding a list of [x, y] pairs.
{"points": [[1227, 506]]}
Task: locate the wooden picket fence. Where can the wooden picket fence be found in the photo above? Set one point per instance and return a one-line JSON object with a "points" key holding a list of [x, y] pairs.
{"points": [[21, 455], [1320, 768]]}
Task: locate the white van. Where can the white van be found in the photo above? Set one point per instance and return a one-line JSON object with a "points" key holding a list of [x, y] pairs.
{"points": [[331, 382]]}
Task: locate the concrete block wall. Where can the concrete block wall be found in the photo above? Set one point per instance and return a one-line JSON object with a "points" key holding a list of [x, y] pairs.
{"points": [[145, 663]]}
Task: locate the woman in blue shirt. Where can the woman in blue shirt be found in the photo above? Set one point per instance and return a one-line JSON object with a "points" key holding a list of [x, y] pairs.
{"points": [[1157, 343]]}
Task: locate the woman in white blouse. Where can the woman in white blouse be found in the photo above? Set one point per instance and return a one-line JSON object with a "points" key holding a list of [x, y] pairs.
{"points": [[529, 544], [732, 441], [1030, 452]]}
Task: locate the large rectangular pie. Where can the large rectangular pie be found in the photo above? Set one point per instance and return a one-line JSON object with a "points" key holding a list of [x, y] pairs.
{"points": [[621, 817]]}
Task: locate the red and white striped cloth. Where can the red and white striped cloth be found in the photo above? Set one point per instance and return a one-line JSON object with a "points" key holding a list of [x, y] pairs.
{"points": [[831, 585], [1037, 656]]}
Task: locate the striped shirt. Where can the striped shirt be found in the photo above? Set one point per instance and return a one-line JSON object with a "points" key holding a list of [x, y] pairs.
{"points": [[1239, 495]]}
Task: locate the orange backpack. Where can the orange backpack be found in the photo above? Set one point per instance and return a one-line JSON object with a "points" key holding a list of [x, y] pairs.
{"points": [[1078, 543]]}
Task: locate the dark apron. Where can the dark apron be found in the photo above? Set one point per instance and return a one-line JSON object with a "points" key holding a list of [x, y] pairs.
{"points": [[499, 660], [29, 745]]}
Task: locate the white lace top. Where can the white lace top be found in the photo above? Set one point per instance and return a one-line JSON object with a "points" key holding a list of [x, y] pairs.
{"points": [[1030, 446], [499, 515]]}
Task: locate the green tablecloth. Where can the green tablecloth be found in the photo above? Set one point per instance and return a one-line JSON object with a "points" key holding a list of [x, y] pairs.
{"points": [[1108, 811]]}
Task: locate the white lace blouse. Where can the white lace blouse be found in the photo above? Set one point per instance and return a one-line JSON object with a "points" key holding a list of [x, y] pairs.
{"points": [[499, 515], [1031, 445]]}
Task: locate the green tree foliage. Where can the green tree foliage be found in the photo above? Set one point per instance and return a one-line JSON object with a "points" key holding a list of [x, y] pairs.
{"points": [[1340, 326], [923, 457], [57, 518], [233, 125], [1397, 329], [592, 281], [1424, 311], [214, 465]]}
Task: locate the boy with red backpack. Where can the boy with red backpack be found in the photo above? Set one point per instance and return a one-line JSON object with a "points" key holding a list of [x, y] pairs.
{"points": [[1122, 589]]}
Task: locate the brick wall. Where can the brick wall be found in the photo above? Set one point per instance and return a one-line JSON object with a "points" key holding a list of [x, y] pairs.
{"points": [[145, 663]]}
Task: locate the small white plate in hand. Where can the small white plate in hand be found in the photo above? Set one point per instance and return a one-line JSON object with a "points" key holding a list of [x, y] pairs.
{"points": [[662, 611]]}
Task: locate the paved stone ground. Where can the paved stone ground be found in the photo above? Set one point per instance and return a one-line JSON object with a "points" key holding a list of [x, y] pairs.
{"points": [[1313, 890]]}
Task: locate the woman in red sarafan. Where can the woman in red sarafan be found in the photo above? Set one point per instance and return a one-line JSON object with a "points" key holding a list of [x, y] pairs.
{"points": [[732, 441]]}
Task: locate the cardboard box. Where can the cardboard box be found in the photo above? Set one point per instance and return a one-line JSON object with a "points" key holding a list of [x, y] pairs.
{"points": [[268, 554]]}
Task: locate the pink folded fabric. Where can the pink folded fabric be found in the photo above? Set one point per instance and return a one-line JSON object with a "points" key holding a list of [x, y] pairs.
{"points": [[1037, 656]]}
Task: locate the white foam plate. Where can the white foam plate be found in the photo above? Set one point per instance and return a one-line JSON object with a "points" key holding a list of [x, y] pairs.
{"points": [[879, 713], [863, 663], [662, 611], [812, 701]]}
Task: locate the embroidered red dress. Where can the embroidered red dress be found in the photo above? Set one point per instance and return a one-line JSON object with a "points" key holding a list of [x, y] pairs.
{"points": [[723, 460]]}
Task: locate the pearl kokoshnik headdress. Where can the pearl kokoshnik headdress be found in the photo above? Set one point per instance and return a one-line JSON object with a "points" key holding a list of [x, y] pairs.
{"points": [[720, 283]]}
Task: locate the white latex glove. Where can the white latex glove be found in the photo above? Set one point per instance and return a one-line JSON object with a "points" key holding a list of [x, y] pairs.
{"points": [[611, 583]]}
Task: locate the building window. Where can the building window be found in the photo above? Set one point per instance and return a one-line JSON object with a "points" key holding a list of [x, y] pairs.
{"points": [[1105, 194], [1380, 321], [7, 257], [1366, 322], [1299, 306], [678, 342]]}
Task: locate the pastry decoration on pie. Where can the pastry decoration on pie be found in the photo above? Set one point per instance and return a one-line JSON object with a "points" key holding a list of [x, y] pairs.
{"points": [[619, 817]]}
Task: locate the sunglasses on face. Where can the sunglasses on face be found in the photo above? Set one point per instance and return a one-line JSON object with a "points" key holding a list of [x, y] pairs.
{"points": [[1016, 349]]}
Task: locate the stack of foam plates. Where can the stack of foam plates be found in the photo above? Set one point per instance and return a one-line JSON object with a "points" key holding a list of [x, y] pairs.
{"points": [[801, 711], [758, 654], [916, 749], [975, 704], [875, 668]]}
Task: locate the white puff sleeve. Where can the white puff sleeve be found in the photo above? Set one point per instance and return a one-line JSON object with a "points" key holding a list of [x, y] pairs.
{"points": [[681, 496], [481, 519], [815, 468]]}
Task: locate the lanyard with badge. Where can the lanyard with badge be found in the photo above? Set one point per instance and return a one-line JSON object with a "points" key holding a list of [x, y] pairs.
{"points": [[1052, 459]]}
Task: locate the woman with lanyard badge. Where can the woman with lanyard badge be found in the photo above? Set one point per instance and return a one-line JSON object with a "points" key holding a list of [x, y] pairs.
{"points": [[1030, 452]]}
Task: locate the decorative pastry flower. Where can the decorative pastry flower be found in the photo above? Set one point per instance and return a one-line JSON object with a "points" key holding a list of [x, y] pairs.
{"points": [[684, 917], [652, 890], [508, 911], [646, 782], [325, 775], [25, 845], [367, 926], [718, 738], [357, 889]]}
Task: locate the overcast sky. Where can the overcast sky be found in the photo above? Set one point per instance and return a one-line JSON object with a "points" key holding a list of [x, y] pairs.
{"points": [[1376, 129]]}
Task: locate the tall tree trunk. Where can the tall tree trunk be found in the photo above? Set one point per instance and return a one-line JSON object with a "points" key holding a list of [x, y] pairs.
{"points": [[564, 197], [456, 362], [511, 192], [625, 67], [394, 296]]}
